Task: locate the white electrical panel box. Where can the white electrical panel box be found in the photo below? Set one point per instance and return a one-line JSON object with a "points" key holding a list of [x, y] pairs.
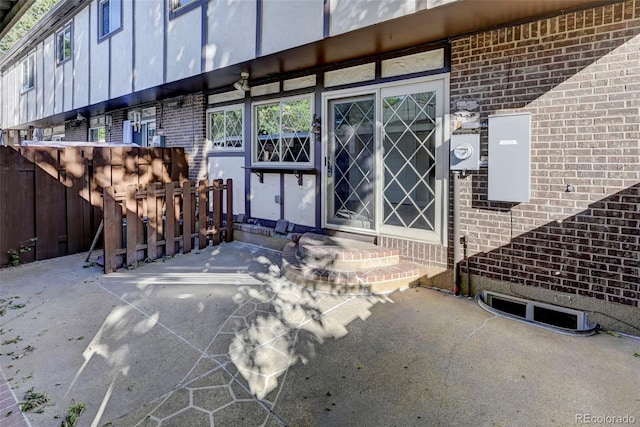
{"points": [[464, 152], [510, 157]]}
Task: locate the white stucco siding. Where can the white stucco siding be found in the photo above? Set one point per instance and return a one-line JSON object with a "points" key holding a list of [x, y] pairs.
{"points": [[148, 39], [229, 168], [81, 59], [262, 196], [121, 62], [39, 107], [349, 15], [68, 86], [184, 41], [3, 101], [290, 23], [31, 100], [59, 88], [12, 107], [49, 76], [22, 115], [300, 200], [231, 32], [99, 73]]}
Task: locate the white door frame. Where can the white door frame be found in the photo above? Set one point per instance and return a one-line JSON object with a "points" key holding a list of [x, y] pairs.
{"points": [[439, 236]]}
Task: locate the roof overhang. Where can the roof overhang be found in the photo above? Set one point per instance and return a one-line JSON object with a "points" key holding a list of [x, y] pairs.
{"points": [[10, 13]]}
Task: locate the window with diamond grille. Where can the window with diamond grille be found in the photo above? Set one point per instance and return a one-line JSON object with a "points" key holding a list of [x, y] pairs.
{"points": [[224, 128], [409, 145], [283, 132]]}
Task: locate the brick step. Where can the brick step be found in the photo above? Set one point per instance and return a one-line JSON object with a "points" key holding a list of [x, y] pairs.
{"points": [[377, 280], [343, 255]]}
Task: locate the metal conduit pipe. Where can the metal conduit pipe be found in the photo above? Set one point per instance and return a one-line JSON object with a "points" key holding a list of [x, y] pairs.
{"points": [[457, 280]]}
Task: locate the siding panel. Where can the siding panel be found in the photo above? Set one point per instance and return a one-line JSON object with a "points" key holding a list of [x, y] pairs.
{"points": [[99, 79], [227, 19], [121, 55], [149, 53], [184, 45], [49, 76], [81, 59], [39, 104], [349, 15], [303, 21], [68, 85]]}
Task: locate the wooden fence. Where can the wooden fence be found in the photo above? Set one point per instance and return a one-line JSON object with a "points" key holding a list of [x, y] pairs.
{"points": [[144, 224], [54, 195]]}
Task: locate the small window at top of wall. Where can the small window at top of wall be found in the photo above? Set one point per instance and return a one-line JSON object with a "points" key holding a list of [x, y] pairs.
{"points": [[282, 132], [63, 44], [109, 17], [98, 134], [28, 72], [225, 128], [178, 7]]}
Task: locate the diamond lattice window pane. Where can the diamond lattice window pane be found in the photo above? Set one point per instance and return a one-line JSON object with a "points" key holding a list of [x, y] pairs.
{"points": [[233, 128], [409, 160], [268, 147], [284, 132], [353, 159]]}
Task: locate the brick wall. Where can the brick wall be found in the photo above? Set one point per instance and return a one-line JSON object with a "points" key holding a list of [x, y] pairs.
{"points": [[182, 121], [579, 76], [76, 130]]}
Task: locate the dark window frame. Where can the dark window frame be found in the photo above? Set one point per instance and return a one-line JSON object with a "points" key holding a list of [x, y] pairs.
{"points": [[181, 10], [104, 36], [31, 84], [62, 33]]}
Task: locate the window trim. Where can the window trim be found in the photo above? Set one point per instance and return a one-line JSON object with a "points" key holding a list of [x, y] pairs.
{"points": [[29, 58], [224, 109], [97, 128], [254, 131], [60, 32], [181, 10], [100, 25]]}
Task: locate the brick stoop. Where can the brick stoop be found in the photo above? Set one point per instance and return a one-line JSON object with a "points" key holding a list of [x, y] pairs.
{"points": [[344, 266]]}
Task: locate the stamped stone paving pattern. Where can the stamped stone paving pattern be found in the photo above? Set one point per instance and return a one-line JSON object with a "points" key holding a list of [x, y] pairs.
{"points": [[239, 378]]}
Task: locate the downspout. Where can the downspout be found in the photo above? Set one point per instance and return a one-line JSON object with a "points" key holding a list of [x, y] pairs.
{"points": [[456, 234]]}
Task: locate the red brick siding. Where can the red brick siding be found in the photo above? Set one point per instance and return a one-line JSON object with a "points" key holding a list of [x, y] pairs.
{"points": [[579, 76], [416, 251], [76, 130], [182, 121]]}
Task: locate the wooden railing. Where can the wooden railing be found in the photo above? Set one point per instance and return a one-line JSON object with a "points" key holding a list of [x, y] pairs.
{"points": [[162, 219]]}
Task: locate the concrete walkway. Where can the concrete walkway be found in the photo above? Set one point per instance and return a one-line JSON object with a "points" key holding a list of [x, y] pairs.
{"points": [[219, 337]]}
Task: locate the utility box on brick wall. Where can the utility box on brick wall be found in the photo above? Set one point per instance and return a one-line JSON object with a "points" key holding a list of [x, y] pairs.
{"points": [[510, 157]]}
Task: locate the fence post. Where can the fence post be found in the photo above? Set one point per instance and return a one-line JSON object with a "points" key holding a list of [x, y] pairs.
{"points": [[132, 224], [229, 234], [170, 215], [152, 221], [112, 228], [217, 211], [187, 217], [203, 213]]}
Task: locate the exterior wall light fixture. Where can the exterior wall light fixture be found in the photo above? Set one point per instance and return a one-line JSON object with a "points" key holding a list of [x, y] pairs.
{"points": [[243, 83]]}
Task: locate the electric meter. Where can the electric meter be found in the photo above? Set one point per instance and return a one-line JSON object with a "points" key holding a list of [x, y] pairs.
{"points": [[463, 151]]}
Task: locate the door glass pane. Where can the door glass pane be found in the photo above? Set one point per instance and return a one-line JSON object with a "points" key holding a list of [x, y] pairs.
{"points": [[352, 164], [408, 195]]}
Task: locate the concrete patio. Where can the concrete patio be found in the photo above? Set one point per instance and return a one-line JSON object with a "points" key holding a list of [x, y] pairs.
{"points": [[220, 337]]}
